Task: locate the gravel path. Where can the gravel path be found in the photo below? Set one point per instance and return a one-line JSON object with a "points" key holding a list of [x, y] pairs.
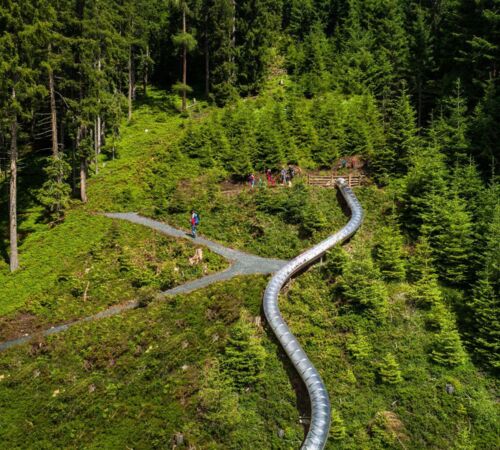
{"points": [[242, 264]]}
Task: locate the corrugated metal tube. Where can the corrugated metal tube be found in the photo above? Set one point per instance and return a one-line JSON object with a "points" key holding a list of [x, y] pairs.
{"points": [[320, 404]]}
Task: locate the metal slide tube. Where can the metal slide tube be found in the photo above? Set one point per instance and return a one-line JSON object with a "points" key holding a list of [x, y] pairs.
{"points": [[320, 404]]}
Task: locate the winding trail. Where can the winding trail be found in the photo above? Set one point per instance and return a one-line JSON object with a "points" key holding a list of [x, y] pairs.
{"points": [[241, 264], [246, 264]]}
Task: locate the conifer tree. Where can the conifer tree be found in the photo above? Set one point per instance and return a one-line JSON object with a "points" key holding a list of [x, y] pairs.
{"points": [[244, 356], [451, 128], [425, 181], [484, 301], [402, 132], [361, 285], [19, 90], [219, 49], [447, 224], [337, 430], [186, 42], [359, 346], [389, 370], [421, 261], [389, 254], [426, 292], [484, 132], [447, 347], [422, 61]]}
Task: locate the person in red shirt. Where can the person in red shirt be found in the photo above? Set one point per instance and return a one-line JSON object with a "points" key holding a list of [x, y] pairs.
{"points": [[195, 220]]}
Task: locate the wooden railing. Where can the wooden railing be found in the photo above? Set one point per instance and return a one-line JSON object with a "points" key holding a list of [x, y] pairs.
{"points": [[352, 180]]}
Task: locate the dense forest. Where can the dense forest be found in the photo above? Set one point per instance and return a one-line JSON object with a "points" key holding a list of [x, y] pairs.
{"points": [[219, 89]]}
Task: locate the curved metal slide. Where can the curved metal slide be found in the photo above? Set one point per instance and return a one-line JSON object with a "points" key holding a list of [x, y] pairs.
{"points": [[320, 404]]}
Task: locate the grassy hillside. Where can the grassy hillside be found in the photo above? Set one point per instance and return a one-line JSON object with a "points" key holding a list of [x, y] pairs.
{"points": [[203, 364]]}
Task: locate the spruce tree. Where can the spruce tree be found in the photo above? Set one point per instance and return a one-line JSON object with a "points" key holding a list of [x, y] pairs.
{"points": [[484, 301], [361, 285], [447, 225], [447, 348], [337, 430], [186, 43], [421, 260], [389, 254], [359, 346], [389, 370], [402, 132], [244, 356], [451, 128]]}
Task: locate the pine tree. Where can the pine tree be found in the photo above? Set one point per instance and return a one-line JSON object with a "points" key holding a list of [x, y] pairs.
{"points": [[484, 306], [19, 92], [257, 26], [361, 286], [244, 356], [389, 370], [389, 254], [422, 61], [485, 133], [359, 346], [425, 181], [402, 132], [447, 225], [447, 347], [426, 292], [484, 301], [220, 49], [337, 430], [186, 42], [421, 261], [217, 403], [451, 128]]}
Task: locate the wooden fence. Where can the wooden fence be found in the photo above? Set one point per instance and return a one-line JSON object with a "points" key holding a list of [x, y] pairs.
{"points": [[352, 179]]}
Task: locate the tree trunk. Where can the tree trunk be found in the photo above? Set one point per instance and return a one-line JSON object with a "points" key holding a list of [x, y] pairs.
{"points": [[83, 165], [97, 142], [53, 114], [146, 73], [14, 257], [207, 63], [83, 180], [184, 62], [419, 100], [130, 84], [233, 44]]}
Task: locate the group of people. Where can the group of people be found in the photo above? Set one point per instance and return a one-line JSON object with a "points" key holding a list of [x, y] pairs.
{"points": [[286, 177]]}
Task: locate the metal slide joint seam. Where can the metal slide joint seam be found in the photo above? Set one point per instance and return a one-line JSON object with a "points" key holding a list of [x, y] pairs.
{"points": [[320, 404]]}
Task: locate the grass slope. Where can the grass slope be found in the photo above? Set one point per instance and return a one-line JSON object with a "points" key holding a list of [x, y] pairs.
{"points": [[202, 364]]}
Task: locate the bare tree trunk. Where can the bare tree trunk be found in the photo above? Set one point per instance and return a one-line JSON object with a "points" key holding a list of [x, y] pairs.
{"points": [[130, 84], [14, 257], [184, 62], [97, 142], [233, 43], [83, 180], [53, 114], [83, 165], [207, 63], [146, 73], [419, 112]]}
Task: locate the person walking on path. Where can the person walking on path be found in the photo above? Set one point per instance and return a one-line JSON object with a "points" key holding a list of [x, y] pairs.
{"points": [[195, 220], [251, 180]]}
